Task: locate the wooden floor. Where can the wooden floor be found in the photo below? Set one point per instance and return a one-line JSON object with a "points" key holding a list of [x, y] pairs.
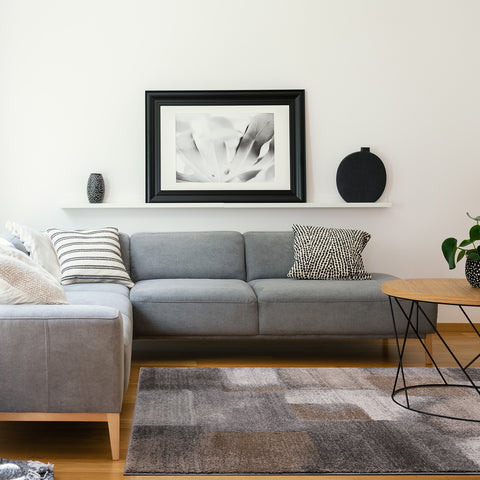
{"points": [[81, 451]]}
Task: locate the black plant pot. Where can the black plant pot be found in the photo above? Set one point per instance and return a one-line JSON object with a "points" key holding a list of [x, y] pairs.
{"points": [[472, 272], [95, 188]]}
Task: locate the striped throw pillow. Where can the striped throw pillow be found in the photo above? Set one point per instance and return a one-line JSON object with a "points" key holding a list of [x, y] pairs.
{"points": [[88, 256], [328, 253]]}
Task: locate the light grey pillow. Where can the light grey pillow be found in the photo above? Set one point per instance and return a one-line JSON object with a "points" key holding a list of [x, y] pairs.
{"points": [[328, 253], [15, 241], [38, 245]]}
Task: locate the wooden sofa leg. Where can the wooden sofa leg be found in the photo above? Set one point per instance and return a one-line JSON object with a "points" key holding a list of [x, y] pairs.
{"points": [[428, 344], [114, 432], [113, 420]]}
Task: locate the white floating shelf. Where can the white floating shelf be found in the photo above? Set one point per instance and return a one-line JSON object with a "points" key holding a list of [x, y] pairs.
{"points": [[79, 206]]}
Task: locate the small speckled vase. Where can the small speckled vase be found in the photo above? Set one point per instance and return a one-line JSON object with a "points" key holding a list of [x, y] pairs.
{"points": [[95, 188], [472, 272]]}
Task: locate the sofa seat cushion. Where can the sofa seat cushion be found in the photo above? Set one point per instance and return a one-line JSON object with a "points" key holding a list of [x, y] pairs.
{"points": [[324, 307], [98, 287], [192, 307]]}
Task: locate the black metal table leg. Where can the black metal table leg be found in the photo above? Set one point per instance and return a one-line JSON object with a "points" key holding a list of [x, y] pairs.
{"points": [[412, 325]]}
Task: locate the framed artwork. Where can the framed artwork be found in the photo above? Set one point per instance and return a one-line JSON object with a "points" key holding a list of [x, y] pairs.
{"points": [[225, 146]]}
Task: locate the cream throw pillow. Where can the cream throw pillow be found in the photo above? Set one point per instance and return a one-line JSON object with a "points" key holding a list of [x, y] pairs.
{"points": [[5, 243], [39, 246], [24, 281]]}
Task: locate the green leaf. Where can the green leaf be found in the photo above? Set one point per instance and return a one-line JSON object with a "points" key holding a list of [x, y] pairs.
{"points": [[477, 219], [473, 255], [475, 233], [460, 255], [449, 246], [465, 243]]}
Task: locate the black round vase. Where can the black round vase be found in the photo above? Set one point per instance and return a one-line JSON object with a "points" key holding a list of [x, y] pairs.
{"points": [[361, 177], [95, 188], [472, 272]]}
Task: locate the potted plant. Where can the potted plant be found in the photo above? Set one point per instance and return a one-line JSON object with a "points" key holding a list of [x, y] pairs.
{"points": [[468, 249]]}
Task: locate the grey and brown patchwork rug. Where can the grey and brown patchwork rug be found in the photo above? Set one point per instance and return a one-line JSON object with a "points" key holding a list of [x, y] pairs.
{"points": [[299, 421]]}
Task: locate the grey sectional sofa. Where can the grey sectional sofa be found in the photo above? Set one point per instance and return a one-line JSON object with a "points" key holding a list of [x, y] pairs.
{"points": [[72, 362]]}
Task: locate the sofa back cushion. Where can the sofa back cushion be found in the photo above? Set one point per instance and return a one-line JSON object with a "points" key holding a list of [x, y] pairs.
{"points": [[268, 254], [187, 255], [125, 249]]}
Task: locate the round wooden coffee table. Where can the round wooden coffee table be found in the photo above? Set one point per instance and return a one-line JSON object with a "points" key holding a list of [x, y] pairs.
{"points": [[446, 291]]}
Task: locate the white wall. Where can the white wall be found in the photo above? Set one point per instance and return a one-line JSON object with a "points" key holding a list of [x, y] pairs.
{"points": [[400, 77]]}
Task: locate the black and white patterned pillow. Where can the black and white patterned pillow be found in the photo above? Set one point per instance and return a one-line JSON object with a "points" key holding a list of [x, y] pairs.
{"points": [[328, 253], [89, 256]]}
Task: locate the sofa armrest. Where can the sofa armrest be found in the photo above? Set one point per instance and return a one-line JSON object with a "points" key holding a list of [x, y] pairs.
{"points": [[61, 358]]}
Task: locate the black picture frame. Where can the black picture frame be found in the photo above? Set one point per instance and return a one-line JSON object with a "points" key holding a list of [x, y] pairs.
{"points": [[161, 106]]}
